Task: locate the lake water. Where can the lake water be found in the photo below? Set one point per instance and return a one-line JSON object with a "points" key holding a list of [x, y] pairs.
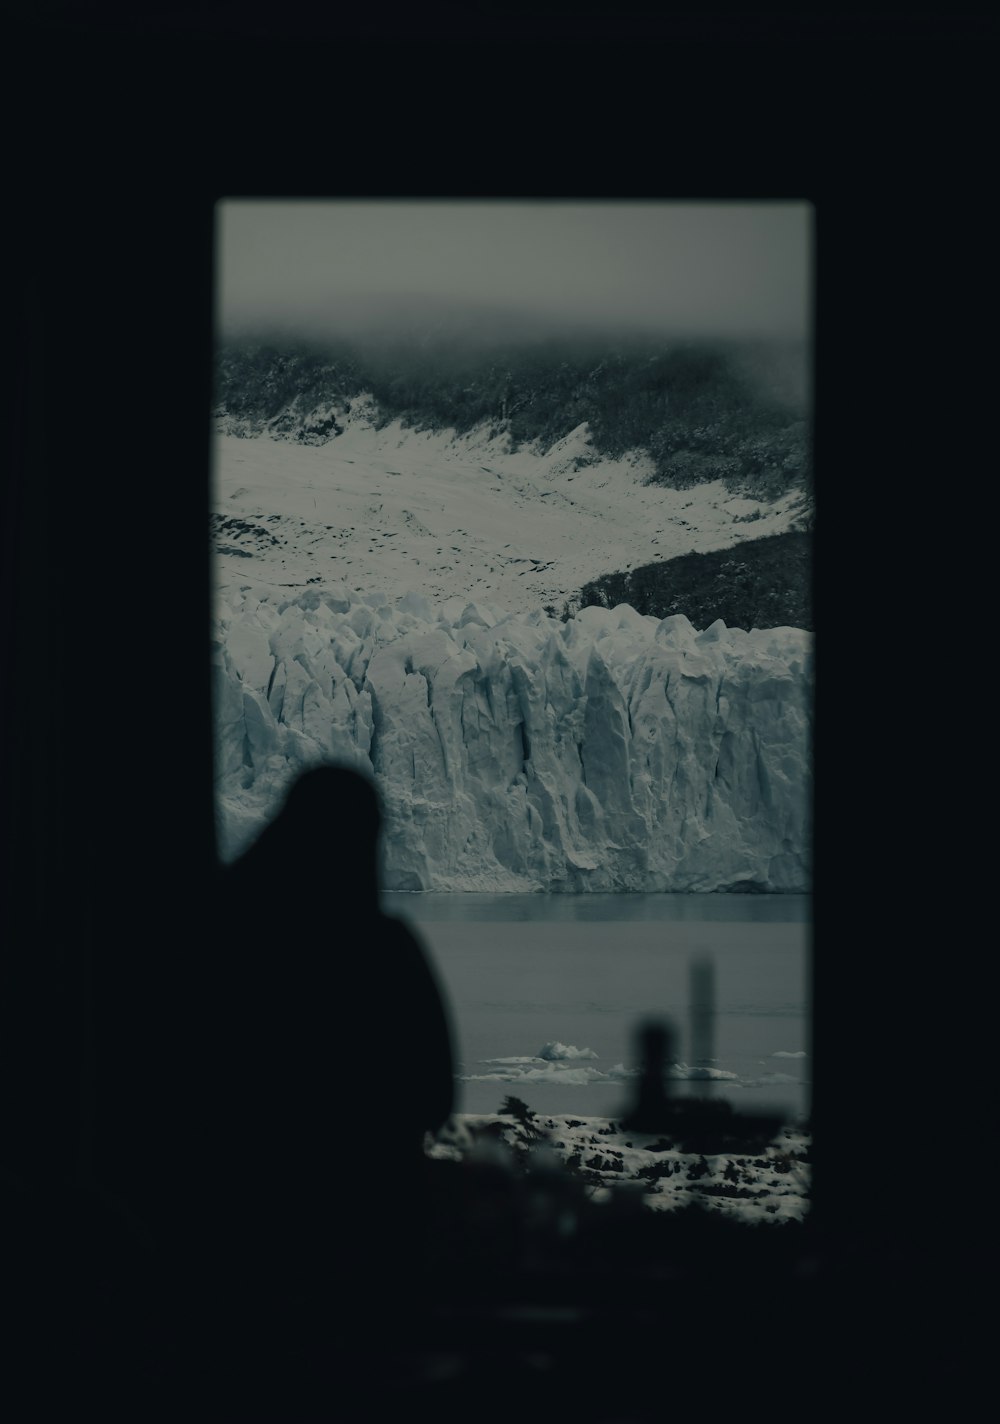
{"points": [[581, 972]]}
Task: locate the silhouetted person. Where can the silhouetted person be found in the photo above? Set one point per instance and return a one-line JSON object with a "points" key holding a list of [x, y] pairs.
{"points": [[327, 1057]]}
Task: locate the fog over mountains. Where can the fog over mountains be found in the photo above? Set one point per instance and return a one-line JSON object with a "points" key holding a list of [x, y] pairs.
{"points": [[406, 549]]}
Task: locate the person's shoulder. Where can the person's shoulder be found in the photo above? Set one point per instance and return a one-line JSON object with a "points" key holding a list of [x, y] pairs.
{"points": [[398, 932], [403, 942]]}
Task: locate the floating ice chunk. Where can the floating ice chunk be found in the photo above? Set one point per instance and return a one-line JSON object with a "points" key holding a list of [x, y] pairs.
{"points": [[516, 1060], [549, 1073], [555, 1052], [768, 1080], [700, 1074]]}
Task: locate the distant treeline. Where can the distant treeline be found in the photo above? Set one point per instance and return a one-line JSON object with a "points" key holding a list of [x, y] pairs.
{"points": [[701, 412], [761, 583]]}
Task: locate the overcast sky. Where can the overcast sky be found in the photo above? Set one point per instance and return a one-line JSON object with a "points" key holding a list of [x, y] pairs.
{"points": [[733, 269]]}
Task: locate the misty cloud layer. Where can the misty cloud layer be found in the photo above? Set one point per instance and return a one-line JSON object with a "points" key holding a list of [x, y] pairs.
{"points": [[502, 269]]}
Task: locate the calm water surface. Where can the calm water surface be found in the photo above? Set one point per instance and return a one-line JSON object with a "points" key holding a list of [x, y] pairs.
{"points": [[525, 971]]}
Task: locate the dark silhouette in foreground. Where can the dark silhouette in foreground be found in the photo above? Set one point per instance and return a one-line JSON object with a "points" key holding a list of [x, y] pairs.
{"points": [[324, 1058], [297, 1257]]}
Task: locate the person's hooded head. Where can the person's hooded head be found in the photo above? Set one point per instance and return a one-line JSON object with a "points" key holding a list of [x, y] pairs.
{"points": [[325, 837]]}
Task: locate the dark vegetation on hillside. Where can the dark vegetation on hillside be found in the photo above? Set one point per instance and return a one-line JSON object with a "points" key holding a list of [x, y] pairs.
{"points": [[702, 412], [257, 381], [762, 583]]}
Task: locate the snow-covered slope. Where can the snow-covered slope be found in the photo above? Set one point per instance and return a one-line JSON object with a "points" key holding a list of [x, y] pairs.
{"points": [[441, 514], [379, 602]]}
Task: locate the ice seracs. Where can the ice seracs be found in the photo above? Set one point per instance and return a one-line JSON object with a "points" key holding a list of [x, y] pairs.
{"points": [[515, 751]]}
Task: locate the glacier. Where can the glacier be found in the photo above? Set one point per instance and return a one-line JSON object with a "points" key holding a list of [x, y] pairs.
{"points": [[517, 751]]}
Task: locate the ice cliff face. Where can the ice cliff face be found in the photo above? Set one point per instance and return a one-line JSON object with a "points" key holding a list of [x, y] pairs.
{"points": [[518, 752]]}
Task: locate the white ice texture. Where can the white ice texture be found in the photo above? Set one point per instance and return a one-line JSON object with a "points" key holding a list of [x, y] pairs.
{"points": [[517, 752]]}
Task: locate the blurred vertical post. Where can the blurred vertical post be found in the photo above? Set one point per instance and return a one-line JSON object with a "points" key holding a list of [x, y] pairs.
{"points": [[653, 1102], [702, 1016]]}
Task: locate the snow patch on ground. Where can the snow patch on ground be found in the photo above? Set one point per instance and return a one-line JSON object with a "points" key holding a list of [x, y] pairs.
{"points": [[600, 1158]]}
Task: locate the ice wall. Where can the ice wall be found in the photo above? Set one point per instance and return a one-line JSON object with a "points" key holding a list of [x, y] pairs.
{"points": [[518, 752]]}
